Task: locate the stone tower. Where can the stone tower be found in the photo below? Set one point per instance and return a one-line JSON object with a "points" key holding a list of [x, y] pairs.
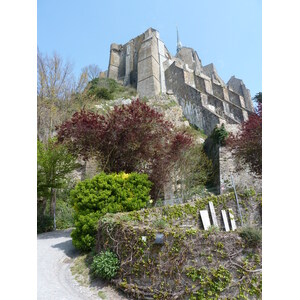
{"points": [[139, 63]]}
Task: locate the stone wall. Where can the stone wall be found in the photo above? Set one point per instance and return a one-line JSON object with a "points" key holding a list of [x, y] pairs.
{"points": [[242, 176], [234, 98], [165, 253], [225, 166], [200, 83], [190, 100], [238, 86], [140, 63], [204, 101], [210, 71], [190, 57], [201, 108], [218, 90]]}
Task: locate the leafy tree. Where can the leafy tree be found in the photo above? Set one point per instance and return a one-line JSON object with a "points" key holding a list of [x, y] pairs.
{"points": [[247, 144], [258, 98], [130, 138], [54, 163]]}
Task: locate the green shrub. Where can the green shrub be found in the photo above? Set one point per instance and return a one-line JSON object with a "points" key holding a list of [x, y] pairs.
{"points": [[44, 223], [160, 223], [99, 90], [213, 229], [108, 89], [159, 203], [252, 236], [249, 193], [93, 198], [219, 135], [110, 84], [105, 265], [103, 93]]}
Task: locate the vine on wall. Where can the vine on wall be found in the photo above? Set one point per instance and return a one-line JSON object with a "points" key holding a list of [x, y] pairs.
{"points": [[190, 264]]}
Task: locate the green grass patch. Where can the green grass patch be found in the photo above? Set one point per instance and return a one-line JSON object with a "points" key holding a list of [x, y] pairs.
{"points": [[80, 270], [102, 295]]}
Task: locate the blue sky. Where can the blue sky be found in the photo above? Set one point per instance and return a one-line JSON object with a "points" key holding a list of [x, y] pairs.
{"points": [[226, 33]]}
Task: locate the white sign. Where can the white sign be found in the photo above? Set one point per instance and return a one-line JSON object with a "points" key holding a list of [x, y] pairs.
{"points": [[225, 220], [231, 217], [213, 214], [205, 219]]}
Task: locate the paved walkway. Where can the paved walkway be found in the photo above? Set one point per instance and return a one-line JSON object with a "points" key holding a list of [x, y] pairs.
{"points": [[55, 254]]}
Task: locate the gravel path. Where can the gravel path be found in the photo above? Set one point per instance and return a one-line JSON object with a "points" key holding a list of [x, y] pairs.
{"points": [[55, 254]]}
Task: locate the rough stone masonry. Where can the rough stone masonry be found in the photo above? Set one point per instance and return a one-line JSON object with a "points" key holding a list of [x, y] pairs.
{"points": [[146, 64]]}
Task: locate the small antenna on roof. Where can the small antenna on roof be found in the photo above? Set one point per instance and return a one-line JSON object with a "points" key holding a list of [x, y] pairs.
{"points": [[179, 45]]}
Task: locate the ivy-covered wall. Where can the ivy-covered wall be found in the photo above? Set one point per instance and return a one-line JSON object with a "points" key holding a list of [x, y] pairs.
{"points": [[190, 263]]}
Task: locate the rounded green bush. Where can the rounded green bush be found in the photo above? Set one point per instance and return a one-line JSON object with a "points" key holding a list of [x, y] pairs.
{"points": [[105, 265], [105, 193], [251, 236], [103, 93]]}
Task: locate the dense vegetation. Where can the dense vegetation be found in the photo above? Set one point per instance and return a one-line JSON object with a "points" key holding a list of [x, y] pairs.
{"points": [[143, 141], [194, 172], [247, 145], [187, 262], [54, 163], [131, 138], [60, 94], [105, 193], [108, 89], [138, 153]]}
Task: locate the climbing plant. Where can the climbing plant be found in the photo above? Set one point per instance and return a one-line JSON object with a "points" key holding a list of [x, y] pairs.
{"points": [[219, 135], [190, 263]]}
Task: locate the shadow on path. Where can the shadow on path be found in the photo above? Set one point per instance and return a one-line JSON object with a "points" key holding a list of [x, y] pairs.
{"points": [[68, 248]]}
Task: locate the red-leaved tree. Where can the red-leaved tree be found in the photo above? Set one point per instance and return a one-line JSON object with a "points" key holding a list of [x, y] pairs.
{"points": [[130, 138], [247, 144]]}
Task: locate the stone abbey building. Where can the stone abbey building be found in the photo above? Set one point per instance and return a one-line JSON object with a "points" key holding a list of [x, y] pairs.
{"points": [[206, 101], [146, 64]]}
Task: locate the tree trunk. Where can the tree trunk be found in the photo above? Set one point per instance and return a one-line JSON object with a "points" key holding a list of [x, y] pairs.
{"points": [[42, 205]]}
